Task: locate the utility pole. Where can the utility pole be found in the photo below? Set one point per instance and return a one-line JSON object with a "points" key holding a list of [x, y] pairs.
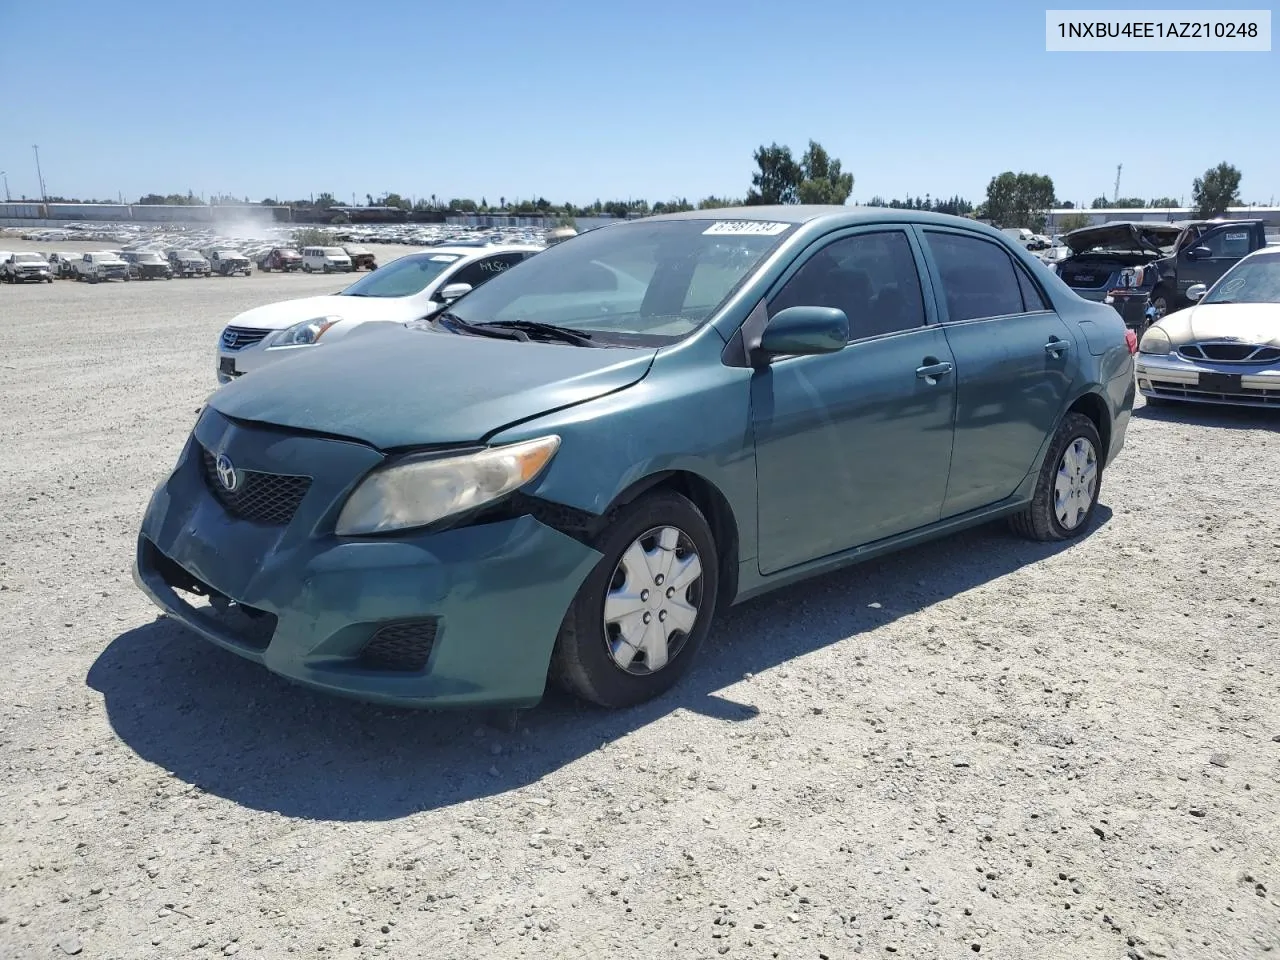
{"points": [[7, 198], [1116, 195], [40, 176]]}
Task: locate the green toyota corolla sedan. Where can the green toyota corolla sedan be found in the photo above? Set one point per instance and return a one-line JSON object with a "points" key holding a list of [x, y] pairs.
{"points": [[570, 471]]}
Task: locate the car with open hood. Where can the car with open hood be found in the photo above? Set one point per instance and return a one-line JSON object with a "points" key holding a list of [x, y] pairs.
{"points": [[1113, 263], [406, 289], [1225, 348], [573, 469]]}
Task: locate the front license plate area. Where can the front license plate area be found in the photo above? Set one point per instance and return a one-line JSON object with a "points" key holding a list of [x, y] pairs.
{"points": [[1220, 382], [227, 365]]}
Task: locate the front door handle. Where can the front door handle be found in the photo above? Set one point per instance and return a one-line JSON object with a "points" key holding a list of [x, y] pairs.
{"points": [[933, 369], [1056, 347]]}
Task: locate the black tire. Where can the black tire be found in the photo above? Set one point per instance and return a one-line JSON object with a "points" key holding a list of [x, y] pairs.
{"points": [[1039, 520], [1165, 301], [581, 662]]}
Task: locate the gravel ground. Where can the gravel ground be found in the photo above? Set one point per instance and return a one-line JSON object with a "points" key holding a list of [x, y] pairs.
{"points": [[978, 746]]}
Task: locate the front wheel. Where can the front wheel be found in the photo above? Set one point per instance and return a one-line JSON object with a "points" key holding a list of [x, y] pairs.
{"points": [[1066, 492], [638, 619]]}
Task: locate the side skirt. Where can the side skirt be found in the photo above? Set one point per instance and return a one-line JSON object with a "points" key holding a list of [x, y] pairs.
{"points": [[752, 583]]}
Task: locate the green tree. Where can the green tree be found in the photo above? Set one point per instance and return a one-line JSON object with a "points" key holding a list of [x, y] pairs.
{"points": [[1163, 202], [715, 203], [1073, 221], [1019, 200], [777, 179], [1128, 203], [822, 181], [1100, 203], [1218, 189]]}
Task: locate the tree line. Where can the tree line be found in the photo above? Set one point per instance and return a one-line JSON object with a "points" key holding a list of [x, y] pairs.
{"points": [[815, 177]]}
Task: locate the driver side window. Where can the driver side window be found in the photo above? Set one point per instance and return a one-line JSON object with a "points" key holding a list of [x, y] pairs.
{"points": [[872, 277], [1228, 243]]}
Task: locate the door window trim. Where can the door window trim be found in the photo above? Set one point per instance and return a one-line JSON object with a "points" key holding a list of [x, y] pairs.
{"points": [[821, 243]]}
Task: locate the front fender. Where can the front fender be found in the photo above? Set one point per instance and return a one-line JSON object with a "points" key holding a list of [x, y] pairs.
{"points": [[687, 417]]}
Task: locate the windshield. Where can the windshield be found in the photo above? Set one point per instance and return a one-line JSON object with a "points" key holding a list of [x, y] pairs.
{"points": [[333, 252], [27, 258], [150, 258], [644, 283], [288, 252], [403, 277], [190, 254], [1249, 281]]}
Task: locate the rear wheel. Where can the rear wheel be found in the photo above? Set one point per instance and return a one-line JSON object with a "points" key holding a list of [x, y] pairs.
{"points": [[638, 619], [1066, 492]]}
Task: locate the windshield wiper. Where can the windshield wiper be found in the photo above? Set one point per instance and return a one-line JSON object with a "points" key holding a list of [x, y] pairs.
{"points": [[550, 330], [453, 321]]}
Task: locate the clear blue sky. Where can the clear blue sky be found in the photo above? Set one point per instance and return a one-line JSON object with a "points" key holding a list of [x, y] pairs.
{"points": [[606, 99]]}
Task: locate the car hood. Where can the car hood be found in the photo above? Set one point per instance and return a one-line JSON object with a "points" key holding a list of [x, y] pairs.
{"points": [[1123, 236], [278, 316], [1257, 323], [393, 387]]}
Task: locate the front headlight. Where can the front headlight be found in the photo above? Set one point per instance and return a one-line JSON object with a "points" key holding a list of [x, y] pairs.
{"points": [[419, 491], [304, 333], [1156, 341]]}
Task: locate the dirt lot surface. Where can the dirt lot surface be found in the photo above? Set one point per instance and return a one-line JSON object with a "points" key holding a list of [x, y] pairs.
{"points": [[978, 746]]}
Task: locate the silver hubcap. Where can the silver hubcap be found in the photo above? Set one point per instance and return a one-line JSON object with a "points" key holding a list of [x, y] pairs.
{"points": [[653, 600], [1076, 483], [1161, 307]]}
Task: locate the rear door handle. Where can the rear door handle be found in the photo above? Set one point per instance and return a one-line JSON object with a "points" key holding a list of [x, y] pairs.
{"points": [[933, 369], [1056, 348]]}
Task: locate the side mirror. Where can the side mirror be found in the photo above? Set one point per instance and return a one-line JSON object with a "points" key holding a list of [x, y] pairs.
{"points": [[1199, 253], [805, 331], [1196, 291], [452, 291]]}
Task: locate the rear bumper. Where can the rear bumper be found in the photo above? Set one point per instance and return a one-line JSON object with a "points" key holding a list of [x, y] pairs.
{"points": [[494, 594], [1175, 378]]}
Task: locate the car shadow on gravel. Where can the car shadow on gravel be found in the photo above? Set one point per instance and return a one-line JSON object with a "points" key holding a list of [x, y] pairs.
{"points": [[232, 729]]}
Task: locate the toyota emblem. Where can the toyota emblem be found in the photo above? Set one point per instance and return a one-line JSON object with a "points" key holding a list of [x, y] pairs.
{"points": [[227, 475]]}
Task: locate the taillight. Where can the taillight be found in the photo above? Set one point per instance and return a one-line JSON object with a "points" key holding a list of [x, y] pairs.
{"points": [[1131, 340]]}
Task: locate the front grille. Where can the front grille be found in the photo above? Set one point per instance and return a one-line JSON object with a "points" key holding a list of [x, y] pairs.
{"points": [[237, 338], [1230, 352], [404, 646], [1247, 396], [266, 498]]}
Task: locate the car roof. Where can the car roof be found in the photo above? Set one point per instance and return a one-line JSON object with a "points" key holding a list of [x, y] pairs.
{"points": [[482, 251], [804, 213]]}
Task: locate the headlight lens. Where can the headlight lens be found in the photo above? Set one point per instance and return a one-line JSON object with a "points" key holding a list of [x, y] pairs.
{"points": [[1155, 341], [416, 492], [304, 333]]}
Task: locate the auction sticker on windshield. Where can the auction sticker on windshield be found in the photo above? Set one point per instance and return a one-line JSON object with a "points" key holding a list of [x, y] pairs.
{"points": [[745, 228]]}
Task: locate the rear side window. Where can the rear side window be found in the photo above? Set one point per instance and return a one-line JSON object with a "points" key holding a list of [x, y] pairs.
{"points": [[1032, 298], [978, 277]]}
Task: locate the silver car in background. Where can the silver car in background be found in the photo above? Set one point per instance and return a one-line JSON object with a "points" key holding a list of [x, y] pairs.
{"points": [[1226, 347]]}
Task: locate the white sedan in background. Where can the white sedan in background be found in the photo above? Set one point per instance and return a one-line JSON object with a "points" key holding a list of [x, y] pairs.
{"points": [[409, 288], [1225, 348]]}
